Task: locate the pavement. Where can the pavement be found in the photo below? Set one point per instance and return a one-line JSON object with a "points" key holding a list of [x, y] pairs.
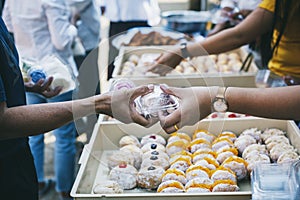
{"points": [[48, 165]]}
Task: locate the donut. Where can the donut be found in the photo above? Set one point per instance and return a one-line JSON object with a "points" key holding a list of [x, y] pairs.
{"points": [[125, 175], [150, 177]]}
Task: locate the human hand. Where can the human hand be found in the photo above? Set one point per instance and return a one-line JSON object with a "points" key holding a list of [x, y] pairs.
{"points": [[165, 63], [120, 105], [43, 87], [192, 101]]}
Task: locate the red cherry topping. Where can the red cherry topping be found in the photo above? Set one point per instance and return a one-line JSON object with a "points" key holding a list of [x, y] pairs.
{"points": [[152, 137], [122, 165], [232, 115], [214, 115]]}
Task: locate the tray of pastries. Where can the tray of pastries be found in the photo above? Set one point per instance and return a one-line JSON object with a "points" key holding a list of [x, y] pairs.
{"points": [[212, 159], [133, 63]]}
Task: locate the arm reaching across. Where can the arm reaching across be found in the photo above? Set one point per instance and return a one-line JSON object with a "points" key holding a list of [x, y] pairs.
{"points": [[256, 24], [276, 103], [21, 121]]}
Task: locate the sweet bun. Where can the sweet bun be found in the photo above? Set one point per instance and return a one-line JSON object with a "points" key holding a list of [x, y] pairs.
{"points": [[171, 186], [125, 175], [225, 186], [199, 185], [153, 146], [238, 165], [118, 157], [223, 173], [151, 138], [155, 153], [156, 161], [174, 174], [107, 187], [136, 152], [204, 134], [198, 143], [150, 177], [129, 140], [175, 147], [196, 171]]}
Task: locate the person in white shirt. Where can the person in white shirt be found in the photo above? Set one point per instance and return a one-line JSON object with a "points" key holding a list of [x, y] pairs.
{"points": [[127, 14], [42, 28]]}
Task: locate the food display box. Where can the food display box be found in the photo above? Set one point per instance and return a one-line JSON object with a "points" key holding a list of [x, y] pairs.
{"points": [[190, 78], [105, 139]]}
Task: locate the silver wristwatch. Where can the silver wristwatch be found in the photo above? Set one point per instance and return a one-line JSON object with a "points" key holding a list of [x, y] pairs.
{"points": [[219, 103]]}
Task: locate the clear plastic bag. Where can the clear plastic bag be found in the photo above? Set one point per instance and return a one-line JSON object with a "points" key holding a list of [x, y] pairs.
{"points": [[149, 105]]}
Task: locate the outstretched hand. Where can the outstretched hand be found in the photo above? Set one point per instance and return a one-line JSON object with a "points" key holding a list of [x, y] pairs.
{"points": [[165, 63], [123, 108], [43, 87], [194, 106]]}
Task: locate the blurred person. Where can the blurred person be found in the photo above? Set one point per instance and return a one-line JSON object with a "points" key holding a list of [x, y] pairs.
{"points": [[276, 22], [198, 102], [42, 28], [18, 121], [127, 14], [231, 13], [86, 18]]}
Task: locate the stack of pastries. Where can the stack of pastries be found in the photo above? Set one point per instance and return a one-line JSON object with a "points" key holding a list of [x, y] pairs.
{"points": [[202, 162]]}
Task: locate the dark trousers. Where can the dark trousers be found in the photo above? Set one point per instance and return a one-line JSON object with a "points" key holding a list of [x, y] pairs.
{"points": [[18, 178]]}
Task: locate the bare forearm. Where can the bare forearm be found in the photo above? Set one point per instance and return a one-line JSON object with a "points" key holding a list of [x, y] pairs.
{"points": [[247, 31], [278, 103], [35, 119]]}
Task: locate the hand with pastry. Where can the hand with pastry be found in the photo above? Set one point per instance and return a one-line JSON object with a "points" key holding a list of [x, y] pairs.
{"points": [[165, 63], [120, 104], [196, 103], [194, 106], [42, 87]]}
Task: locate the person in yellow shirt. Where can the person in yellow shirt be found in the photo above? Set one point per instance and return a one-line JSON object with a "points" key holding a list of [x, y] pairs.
{"points": [[275, 21]]}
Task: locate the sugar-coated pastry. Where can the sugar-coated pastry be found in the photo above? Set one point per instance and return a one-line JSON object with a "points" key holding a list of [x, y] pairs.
{"points": [[107, 187], [175, 147], [254, 147], [178, 157], [278, 139], [150, 177], [210, 163], [129, 139], [254, 159], [270, 132], [279, 149], [125, 175], [155, 160], [244, 141], [136, 152], [171, 186], [153, 146], [155, 153], [288, 156], [204, 134], [118, 157], [182, 163], [254, 132], [238, 165], [198, 143], [196, 171], [228, 134], [225, 186], [179, 136], [223, 173], [152, 138], [199, 185], [223, 156], [174, 174], [202, 153], [221, 143]]}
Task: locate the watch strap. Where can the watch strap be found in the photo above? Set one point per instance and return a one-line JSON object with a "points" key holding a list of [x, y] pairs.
{"points": [[184, 51]]}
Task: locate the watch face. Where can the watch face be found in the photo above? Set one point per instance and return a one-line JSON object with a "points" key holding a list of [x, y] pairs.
{"points": [[220, 105]]}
